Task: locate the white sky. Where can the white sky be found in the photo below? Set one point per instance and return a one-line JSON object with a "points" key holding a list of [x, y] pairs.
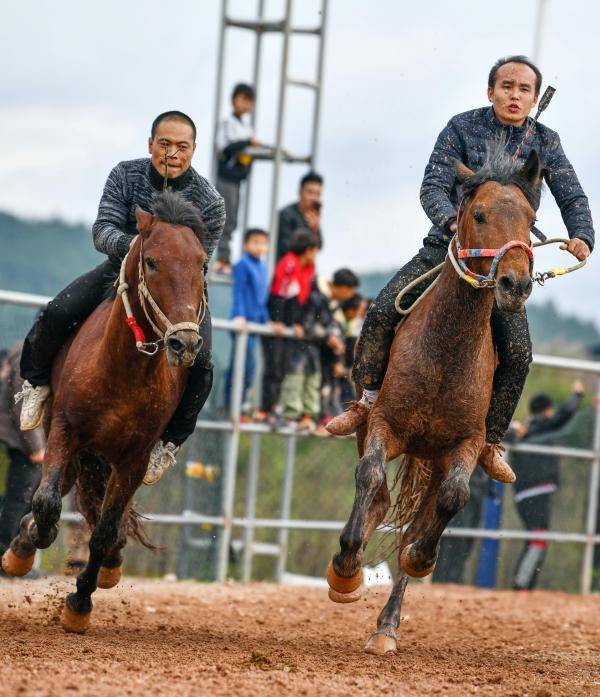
{"points": [[84, 81]]}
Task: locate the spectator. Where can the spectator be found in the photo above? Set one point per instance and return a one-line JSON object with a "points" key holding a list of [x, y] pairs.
{"points": [[235, 133], [538, 477], [353, 311], [250, 292], [305, 213], [25, 451], [289, 295]]}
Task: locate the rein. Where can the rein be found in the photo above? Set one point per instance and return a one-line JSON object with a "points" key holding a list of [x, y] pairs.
{"points": [[151, 348]]}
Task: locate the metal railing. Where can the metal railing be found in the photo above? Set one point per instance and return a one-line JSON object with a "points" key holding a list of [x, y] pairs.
{"points": [[233, 427]]}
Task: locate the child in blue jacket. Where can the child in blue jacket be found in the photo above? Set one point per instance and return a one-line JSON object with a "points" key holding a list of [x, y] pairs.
{"points": [[249, 304]]}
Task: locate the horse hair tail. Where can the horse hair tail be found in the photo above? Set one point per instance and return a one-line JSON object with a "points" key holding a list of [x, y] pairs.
{"points": [[136, 531]]}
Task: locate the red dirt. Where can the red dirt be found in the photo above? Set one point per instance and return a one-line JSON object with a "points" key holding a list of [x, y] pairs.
{"points": [[158, 638]]}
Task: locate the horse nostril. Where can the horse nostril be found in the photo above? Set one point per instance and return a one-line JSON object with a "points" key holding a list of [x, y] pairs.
{"points": [[507, 283], [526, 285], [175, 345]]}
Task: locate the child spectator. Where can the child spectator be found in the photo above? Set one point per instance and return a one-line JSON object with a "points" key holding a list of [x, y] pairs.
{"points": [[305, 213], [235, 133], [289, 295], [354, 310], [249, 303]]}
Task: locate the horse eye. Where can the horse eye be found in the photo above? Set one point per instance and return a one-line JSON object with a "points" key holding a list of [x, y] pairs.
{"points": [[479, 217], [151, 264]]}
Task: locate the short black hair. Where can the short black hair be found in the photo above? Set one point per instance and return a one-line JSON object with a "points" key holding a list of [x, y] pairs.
{"points": [[345, 277], [352, 303], [515, 59], [539, 403], [302, 240], [254, 231], [173, 116], [245, 90], [311, 177]]}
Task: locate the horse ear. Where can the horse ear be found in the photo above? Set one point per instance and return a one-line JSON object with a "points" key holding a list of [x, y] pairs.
{"points": [[532, 169], [463, 172], [144, 221]]}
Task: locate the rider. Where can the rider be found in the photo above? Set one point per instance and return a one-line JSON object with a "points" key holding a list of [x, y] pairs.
{"points": [[513, 89], [130, 184]]}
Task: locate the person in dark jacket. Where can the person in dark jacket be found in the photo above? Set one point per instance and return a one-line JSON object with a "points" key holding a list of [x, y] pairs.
{"points": [[234, 135], [25, 451], [538, 477], [249, 302], [130, 185], [305, 213], [513, 89]]}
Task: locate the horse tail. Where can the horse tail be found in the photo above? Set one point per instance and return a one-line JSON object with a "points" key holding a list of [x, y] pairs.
{"points": [[136, 531], [409, 486]]}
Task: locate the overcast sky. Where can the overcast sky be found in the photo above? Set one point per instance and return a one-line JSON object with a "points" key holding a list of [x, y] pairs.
{"points": [[81, 83]]}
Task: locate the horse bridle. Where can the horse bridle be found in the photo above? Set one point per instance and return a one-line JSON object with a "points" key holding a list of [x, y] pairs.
{"points": [[151, 348]]}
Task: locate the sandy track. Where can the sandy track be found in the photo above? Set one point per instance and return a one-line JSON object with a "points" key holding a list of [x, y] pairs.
{"points": [[157, 638]]}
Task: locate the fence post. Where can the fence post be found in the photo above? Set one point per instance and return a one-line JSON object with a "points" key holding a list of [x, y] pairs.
{"points": [[286, 504], [587, 569], [231, 452], [251, 490]]}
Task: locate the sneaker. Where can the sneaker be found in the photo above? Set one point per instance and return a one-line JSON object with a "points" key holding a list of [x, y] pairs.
{"points": [[34, 400], [490, 460], [347, 423], [306, 425], [161, 459]]}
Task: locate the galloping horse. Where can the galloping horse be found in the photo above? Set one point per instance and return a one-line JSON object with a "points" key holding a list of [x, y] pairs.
{"points": [[435, 396], [113, 397]]}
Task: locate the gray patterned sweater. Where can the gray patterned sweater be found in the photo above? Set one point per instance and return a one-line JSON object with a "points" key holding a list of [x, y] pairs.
{"points": [[133, 183], [464, 139]]}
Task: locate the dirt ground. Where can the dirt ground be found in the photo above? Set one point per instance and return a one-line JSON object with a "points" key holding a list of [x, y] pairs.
{"points": [[160, 638]]}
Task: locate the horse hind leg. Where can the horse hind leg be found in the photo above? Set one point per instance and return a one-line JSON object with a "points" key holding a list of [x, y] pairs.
{"points": [[383, 639]]}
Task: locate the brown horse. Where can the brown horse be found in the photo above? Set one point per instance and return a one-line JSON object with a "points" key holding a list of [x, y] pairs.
{"points": [[438, 385], [112, 402]]}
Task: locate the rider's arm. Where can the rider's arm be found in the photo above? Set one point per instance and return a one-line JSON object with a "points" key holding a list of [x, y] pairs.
{"points": [[440, 177], [566, 189], [107, 231], [214, 222]]}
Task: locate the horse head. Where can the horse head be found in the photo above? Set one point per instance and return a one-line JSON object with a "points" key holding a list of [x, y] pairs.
{"points": [[170, 260], [495, 221]]}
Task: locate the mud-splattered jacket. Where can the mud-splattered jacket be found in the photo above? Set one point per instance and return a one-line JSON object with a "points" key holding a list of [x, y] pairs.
{"points": [[464, 139]]}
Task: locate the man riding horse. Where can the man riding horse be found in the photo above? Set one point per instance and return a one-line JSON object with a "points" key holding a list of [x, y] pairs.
{"points": [[513, 89], [131, 184]]}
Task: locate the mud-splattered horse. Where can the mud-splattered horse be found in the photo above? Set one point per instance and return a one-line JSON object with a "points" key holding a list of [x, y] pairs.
{"points": [[437, 389], [112, 401]]}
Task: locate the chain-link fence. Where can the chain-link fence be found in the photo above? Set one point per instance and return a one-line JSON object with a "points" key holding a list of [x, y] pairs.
{"points": [[249, 503]]}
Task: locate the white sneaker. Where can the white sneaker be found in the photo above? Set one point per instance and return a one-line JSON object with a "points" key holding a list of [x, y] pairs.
{"points": [[161, 459], [34, 400]]}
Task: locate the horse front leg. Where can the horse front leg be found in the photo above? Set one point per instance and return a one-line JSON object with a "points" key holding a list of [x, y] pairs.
{"points": [[104, 540], [448, 493], [39, 529], [383, 639]]}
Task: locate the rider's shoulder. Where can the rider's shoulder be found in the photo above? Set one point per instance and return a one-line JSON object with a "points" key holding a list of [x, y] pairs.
{"points": [[470, 117], [206, 191], [547, 136]]}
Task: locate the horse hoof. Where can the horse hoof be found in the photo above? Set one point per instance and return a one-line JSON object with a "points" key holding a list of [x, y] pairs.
{"points": [[410, 564], [108, 578], [380, 644], [16, 566], [74, 622], [342, 584], [351, 597]]}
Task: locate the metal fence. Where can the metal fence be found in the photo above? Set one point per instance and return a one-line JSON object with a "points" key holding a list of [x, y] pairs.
{"points": [[232, 429]]}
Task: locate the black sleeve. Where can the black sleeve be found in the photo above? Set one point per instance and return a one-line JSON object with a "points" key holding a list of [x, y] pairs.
{"points": [[564, 413], [233, 148]]}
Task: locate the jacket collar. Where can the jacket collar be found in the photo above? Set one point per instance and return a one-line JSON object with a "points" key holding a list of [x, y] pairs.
{"points": [[493, 121], [176, 184]]}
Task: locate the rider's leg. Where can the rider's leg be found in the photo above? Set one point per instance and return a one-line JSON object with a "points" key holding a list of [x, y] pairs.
{"points": [[375, 341]]}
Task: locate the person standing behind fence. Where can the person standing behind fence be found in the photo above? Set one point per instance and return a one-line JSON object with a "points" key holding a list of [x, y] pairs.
{"points": [[25, 450], [305, 213], [234, 135], [289, 294], [249, 301], [538, 477]]}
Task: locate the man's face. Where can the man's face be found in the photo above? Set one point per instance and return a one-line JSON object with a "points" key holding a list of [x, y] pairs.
{"points": [[342, 293], [178, 138], [513, 95], [310, 194], [242, 104]]}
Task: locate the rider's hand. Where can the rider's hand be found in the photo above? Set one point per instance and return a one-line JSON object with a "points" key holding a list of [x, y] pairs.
{"points": [[578, 248], [298, 330], [578, 387], [37, 457], [452, 227]]}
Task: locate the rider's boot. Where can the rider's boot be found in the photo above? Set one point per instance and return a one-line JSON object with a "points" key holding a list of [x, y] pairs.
{"points": [[161, 459], [34, 400], [494, 465], [356, 414]]}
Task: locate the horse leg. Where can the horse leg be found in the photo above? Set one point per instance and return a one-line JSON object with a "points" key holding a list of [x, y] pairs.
{"points": [[78, 606], [448, 494], [371, 502], [39, 529], [383, 640], [110, 571]]}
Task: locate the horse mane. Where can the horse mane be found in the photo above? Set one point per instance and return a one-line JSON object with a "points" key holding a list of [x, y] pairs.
{"points": [[172, 207], [500, 167]]}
